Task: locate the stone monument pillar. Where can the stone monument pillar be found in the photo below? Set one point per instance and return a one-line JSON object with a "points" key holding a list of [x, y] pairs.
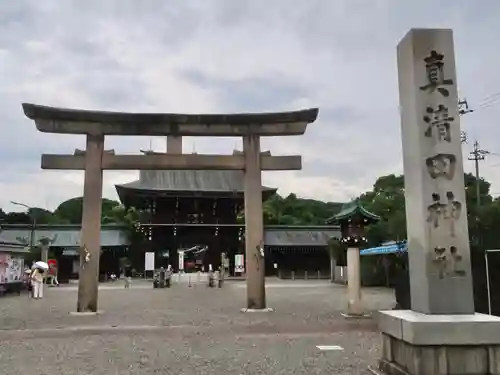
{"points": [[441, 334], [90, 249], [438, 238], [254, 236]]}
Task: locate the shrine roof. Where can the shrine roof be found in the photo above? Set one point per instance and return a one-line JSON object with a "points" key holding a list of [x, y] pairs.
{"points": [[76, 121], [230, 181], [300, 236], [63, 235], [68, 235], [11, 245], [352, 209]]}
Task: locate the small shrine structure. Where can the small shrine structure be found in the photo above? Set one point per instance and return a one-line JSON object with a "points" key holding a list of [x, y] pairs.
{"points": [[353, 219]]}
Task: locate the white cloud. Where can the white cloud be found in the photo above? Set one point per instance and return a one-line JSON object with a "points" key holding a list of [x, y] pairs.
{"points": [[198, 56]]}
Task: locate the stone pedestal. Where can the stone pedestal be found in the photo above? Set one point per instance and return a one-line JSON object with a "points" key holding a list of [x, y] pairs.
{"points": [[423, 344], [354, 306]]}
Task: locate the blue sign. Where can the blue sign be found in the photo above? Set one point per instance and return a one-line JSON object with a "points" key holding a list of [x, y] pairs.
{"points": [[389, 249]]}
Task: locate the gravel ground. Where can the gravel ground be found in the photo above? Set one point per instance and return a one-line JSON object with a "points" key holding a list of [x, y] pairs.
{"points": [[185, 330]]}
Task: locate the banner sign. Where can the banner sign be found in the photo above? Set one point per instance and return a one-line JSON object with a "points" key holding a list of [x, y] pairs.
{"points": [[149, 261]]}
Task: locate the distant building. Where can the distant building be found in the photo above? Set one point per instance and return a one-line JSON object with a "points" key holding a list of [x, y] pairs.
{"points": [[198, 207], [186, 208]]}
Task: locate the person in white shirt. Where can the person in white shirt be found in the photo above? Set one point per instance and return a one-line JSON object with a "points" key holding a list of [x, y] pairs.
{"points": [[37, 280]]}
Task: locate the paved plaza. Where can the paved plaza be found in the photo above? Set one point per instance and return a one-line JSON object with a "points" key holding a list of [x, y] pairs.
{"points": [[190, 330]]}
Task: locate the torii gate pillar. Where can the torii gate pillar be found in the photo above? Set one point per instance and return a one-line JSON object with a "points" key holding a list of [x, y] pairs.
{"points": [[254, 235], [91, 225]]}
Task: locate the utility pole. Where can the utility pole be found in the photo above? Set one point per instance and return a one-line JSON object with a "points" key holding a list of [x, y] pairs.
{"points": [[463, 109], [477, 154]]}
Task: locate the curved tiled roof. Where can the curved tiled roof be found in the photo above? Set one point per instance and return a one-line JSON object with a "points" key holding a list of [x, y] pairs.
{"points": [[63, 237], [351, 209], [189, 180], [68, 236], [300, 236]]}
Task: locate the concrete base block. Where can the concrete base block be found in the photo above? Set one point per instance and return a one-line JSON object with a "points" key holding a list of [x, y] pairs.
{"points": [[423, 329], [85, 313], [267, 309], [420, 344]]}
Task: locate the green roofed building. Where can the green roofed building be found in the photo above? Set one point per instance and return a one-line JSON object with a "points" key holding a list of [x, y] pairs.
{"points": [[353, 209]]}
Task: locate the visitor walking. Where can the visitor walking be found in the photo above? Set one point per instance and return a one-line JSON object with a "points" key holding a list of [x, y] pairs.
{"points": [[168, 276], [52, 273], [27, 282], [53, 280], [128, 277], [37, 282]]}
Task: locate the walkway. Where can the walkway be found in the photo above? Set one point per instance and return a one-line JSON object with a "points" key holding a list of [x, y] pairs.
{"points": [[194, 330]]}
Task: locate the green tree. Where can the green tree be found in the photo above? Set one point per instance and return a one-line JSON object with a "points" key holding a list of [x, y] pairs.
{"points": [[471, 189], [298, 211], [43, 216], [17, 218], [387, 200], [70, 211]]}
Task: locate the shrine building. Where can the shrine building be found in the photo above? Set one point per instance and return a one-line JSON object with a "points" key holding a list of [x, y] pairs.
{"points": [[188, 208]]}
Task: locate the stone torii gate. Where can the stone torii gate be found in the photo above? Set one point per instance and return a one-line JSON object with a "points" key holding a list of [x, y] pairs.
{"points": [[97, 124]]}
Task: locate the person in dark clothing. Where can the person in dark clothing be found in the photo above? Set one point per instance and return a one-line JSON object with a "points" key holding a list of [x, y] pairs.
{"points": [[402, 287]]}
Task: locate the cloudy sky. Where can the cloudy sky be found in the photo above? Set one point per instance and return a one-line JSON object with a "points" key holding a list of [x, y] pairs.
{"points": [[205, 56]]}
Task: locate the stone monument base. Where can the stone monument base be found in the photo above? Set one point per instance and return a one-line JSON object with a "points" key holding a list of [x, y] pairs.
{"points": [[421, 344], [86, 313], [349, 315], [266, 309]]}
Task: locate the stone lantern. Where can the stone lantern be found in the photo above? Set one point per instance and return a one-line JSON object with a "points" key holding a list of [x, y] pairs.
{"points": [[353, 219]]}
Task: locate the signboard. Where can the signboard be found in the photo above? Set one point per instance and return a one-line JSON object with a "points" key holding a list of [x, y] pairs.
{"points": [[181, 261], [11, 268], [389, 249], [149, 261], [239, 263]]}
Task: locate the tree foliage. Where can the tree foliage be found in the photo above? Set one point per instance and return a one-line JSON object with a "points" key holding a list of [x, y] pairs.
{"points": [[387, 199], [70, 211], [298, 211]]}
